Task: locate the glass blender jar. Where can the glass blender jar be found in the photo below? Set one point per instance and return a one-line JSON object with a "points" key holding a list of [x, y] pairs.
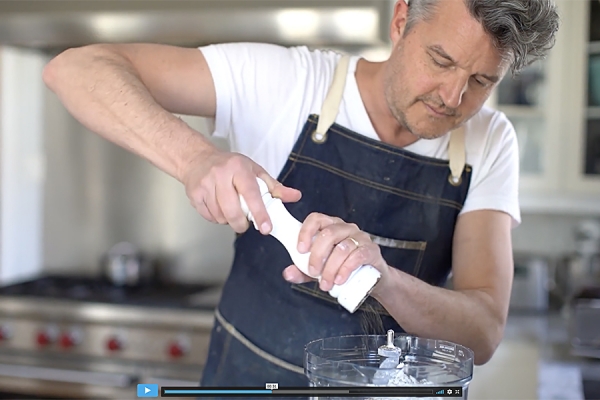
{"points": [[380, 360]]}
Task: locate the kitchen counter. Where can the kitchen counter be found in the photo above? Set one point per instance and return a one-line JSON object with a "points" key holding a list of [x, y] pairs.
{"points": [[534, 361]]}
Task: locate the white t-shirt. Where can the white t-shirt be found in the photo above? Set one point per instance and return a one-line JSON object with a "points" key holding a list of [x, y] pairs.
{"points": [[265, 94]]}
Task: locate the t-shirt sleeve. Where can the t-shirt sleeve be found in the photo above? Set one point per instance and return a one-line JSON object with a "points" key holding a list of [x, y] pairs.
{"points": [[266, 92], [495, 186], [253, 83], [246, 79]]}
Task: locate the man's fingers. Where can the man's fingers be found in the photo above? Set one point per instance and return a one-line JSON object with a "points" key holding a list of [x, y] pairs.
{"points": [[294, 275], [210, 199], [202, 209], [230, 206], [314, 223], [329, 249], [247, 187], [337, 258]]}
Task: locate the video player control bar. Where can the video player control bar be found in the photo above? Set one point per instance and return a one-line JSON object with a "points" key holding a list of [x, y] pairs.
{"points": [[274, 390]]}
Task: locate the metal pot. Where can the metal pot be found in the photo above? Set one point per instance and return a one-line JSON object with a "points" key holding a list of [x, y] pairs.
{"points": [[124, 265]]}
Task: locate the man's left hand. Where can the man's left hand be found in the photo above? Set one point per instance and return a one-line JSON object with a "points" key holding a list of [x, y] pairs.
{"points": [[336, 249]]}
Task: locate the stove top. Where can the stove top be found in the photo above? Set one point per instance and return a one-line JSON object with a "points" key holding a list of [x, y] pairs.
{"points": [[98, 290], [84, 333]]}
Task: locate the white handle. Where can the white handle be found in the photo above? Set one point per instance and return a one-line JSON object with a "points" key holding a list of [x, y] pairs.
{"points": [[286, 230]]}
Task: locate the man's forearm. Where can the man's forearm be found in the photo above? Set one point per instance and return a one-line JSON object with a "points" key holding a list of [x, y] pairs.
{"points": [[467, 318], [102, 91]]}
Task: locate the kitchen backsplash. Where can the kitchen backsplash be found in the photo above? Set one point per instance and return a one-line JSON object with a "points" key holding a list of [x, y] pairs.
{"points": [[97, 194]]}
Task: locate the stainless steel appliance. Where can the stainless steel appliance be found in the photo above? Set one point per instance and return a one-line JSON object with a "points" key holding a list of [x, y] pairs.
{"points": [[69, 337]]}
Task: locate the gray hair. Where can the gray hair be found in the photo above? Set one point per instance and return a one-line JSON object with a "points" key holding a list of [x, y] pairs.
{"points": [[524, 30]]}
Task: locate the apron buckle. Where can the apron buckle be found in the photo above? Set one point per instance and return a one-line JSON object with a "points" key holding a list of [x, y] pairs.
{"points": [[319, 138], [455, 181]]}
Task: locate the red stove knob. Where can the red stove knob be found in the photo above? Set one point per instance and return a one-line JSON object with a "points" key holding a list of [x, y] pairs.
{"points": [[68, 340], [5, 333], [44, 338], [114, 344], [177, 349]]}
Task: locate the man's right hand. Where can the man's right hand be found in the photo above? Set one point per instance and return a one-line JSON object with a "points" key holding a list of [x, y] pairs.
{"points": [[215, 180]]}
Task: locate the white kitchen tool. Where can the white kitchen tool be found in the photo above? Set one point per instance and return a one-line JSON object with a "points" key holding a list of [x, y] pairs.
{"points": [[286, 229], [390, 362], [388, 350]]}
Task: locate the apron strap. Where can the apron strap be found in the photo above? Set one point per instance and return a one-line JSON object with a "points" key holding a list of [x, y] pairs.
{"points": [[457, 155], [331, 104]]}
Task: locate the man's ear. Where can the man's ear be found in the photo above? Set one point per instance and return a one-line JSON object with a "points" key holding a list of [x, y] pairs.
{"points": [[398, 23]]}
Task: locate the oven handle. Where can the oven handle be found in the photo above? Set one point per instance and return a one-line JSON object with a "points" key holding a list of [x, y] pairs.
{"points": [[68, 375]]}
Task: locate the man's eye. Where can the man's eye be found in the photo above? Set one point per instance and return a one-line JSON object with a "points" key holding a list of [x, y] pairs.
{"points": [[481, 83], [438, 63]]}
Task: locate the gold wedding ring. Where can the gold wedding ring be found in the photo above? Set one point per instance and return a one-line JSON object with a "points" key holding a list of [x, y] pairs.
{"points": [[354, 241]]}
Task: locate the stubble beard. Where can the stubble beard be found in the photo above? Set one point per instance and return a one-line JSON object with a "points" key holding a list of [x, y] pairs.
{"points": [[393, 98]]}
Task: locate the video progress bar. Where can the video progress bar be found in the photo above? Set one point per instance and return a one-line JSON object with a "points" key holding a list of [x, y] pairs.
{"points": [[329, 391]]}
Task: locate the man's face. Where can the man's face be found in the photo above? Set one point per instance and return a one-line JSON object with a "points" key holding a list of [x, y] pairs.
{"points": [[442, 71]]}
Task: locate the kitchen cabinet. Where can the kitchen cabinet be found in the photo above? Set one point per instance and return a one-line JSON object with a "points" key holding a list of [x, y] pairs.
{"points": [[557, 123], [584, 108]]}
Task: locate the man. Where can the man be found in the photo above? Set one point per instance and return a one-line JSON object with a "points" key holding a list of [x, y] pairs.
{"points": [[394, 164]]}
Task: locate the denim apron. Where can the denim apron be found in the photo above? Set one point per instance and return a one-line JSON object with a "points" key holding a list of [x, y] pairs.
{"points": [[408, 203]]}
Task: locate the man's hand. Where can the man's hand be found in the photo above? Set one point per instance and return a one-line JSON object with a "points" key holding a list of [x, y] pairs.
{"points": [[337, 249], [215, 180]]}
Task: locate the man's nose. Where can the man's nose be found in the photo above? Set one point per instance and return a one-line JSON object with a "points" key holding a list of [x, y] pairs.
{"points": [[453, 90]]}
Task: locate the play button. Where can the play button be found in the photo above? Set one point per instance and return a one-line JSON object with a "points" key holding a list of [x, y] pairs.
{"points": [[147, 390]]}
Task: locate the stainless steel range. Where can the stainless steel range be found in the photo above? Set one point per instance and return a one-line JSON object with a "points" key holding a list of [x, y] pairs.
{"points": [[84, 337]]}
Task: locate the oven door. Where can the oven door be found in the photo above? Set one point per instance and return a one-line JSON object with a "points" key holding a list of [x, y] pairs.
{"points": [[62, 378]]}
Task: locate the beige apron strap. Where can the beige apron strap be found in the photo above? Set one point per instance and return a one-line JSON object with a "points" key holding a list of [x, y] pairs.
{"points": [[254, 348], [331, 105], [457, 155]]}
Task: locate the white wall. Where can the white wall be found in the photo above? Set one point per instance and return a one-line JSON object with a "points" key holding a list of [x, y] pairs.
{"points": [[22, 163]]}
